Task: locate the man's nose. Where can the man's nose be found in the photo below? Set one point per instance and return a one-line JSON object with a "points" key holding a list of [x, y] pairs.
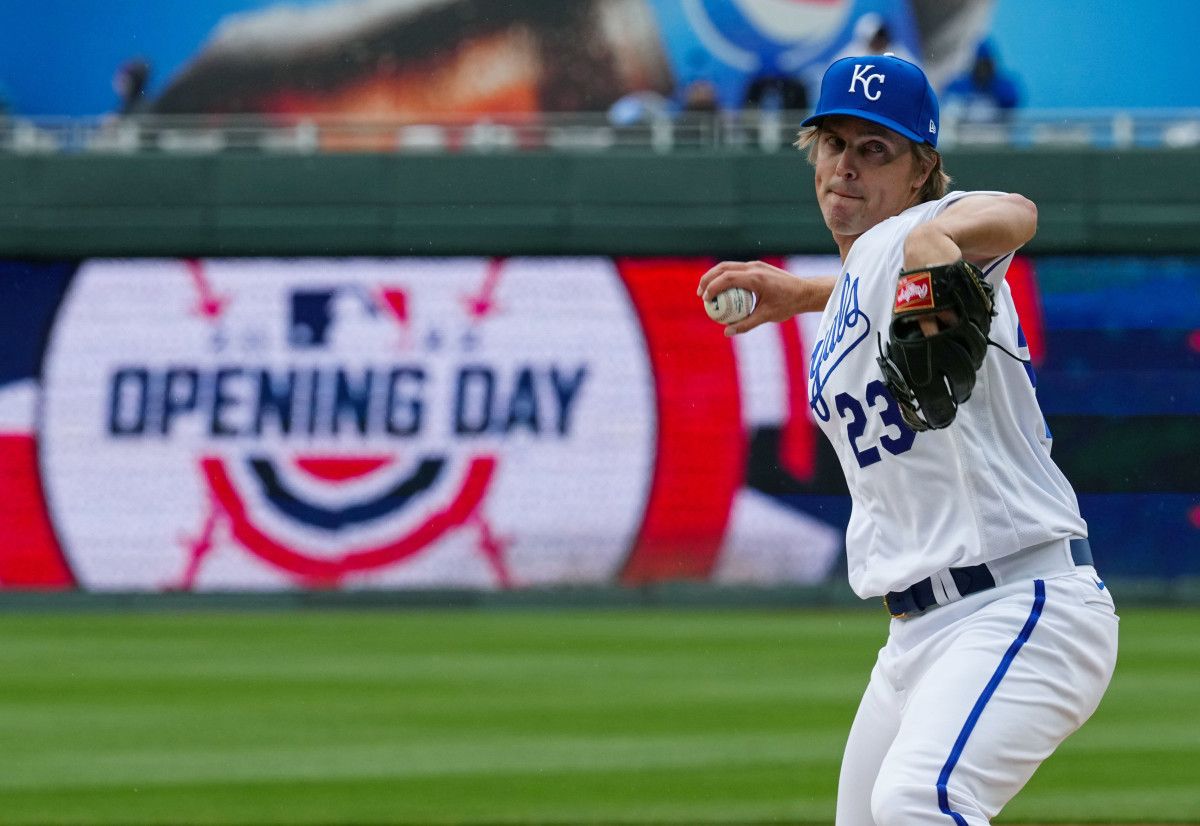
{"points": [[845, 169]]}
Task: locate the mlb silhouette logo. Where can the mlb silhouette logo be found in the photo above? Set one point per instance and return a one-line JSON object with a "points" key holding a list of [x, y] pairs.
{"points": [[314, 315], [310, 317]]}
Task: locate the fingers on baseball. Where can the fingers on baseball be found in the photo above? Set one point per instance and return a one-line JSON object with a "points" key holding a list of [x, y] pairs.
{"points": [[707, 279], [721, 277]]}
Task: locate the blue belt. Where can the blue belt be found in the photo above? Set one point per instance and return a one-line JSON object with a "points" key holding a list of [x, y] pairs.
{"points": [[970, 580]]}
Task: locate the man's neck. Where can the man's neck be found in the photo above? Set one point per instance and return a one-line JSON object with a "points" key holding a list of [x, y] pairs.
{"points": [[844, 243]]}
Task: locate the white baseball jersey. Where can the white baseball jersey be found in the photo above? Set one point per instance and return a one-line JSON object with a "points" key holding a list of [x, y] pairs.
{"points": [[981, 489]]}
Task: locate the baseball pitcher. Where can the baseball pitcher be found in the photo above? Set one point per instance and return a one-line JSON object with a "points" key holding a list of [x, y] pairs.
{"points": [[1003, 637]]}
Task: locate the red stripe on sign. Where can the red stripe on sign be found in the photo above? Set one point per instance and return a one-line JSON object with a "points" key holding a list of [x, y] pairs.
{"points": [[700, 461], [1022, 281], [317, 569], [340, 469], [798, 441], [29, 552]]}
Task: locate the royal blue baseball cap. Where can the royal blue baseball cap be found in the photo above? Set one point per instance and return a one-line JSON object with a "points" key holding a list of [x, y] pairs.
{"points": [[883, 89]]}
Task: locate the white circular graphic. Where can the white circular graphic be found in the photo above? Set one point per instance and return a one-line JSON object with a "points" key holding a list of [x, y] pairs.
{"points": [[257, 424]]}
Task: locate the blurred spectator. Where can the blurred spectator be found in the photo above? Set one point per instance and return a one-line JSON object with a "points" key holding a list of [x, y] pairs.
{"points": [[985, 94], [873, 36], [700, 96], [638, 108], [642, 118], [772, 91], [130, 84]]}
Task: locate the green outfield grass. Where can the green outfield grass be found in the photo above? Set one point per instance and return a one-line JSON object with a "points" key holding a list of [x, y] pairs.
{"points": [[503, 716]]}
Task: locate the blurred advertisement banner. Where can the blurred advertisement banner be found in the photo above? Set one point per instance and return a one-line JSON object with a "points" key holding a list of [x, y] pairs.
{"points": [[404, 423], [412, 59]]}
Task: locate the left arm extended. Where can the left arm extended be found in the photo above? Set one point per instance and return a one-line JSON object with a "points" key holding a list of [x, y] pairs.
{"points": [[978, 228]]}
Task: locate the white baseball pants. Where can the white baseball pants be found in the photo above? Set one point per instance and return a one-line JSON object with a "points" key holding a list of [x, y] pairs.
{"points": [[966, 701]]}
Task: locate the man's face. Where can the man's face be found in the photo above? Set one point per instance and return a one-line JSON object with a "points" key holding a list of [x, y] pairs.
{"points": [[865, 173]]}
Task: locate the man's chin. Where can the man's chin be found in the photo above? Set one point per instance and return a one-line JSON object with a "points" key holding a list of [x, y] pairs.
{"points": [[842, 221]]}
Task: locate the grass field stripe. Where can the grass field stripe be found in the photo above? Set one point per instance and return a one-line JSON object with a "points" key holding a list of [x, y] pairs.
{"points": [[1039, 600]]}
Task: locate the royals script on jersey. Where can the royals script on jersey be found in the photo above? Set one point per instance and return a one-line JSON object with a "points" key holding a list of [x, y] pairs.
{"points": [[981, 489]]}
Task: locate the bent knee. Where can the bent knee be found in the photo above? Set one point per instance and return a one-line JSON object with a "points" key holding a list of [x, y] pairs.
{"points": [[894, 804]]}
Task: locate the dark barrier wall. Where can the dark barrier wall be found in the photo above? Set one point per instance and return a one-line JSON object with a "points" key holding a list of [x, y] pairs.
{"points": [[1139, 201]]}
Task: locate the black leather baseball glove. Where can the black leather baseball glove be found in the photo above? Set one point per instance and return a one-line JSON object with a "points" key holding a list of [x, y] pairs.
{"points": [[930, 376]]}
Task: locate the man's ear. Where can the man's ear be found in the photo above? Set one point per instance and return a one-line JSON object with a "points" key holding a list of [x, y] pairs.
{"points": [[925, 169]]}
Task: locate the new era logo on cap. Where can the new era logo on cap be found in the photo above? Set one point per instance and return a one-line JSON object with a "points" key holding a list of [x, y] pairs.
{"points": [[883, 89]]}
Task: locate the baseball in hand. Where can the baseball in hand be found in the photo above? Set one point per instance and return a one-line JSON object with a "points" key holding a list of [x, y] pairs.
{"points": [[731, 306]]}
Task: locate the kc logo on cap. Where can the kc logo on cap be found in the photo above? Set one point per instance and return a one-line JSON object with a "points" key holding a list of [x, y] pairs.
{"points": [[860, 76]]}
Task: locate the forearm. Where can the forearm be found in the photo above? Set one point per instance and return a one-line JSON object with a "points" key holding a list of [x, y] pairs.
{"points": [[977, 228], [814, 293], [786, 296], [781, 295]]}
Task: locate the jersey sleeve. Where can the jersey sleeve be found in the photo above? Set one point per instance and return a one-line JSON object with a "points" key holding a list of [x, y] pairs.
{"points": [[994, 270]]}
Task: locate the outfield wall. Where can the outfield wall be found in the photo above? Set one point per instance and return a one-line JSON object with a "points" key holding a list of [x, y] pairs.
{"points": [[718, 203]]}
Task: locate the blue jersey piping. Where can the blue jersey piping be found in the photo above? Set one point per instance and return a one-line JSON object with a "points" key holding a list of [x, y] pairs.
{"points": [[1039, 600]]}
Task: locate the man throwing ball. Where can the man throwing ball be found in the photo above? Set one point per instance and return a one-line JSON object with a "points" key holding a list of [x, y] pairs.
{"points": [[1003, 637]]}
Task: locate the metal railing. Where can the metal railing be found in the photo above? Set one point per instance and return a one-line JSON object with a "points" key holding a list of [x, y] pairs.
{"points": [[574, 132]]}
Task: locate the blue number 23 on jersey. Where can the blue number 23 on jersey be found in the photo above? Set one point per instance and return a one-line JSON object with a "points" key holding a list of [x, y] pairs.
{"points": [[896, 438]]}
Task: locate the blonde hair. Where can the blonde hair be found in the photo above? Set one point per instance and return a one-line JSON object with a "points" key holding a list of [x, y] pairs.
{"points": [[936, 185]]}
